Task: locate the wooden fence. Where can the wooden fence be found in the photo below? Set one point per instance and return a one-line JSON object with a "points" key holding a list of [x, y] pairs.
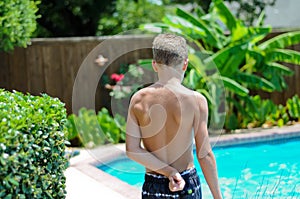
{"points": [[51, 65]]}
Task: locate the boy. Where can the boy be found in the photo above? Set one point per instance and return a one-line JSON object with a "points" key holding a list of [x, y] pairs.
{"points": [[163, 119]]}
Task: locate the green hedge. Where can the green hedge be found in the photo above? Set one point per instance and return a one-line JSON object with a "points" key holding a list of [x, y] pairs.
{"points": [[32, 145]]}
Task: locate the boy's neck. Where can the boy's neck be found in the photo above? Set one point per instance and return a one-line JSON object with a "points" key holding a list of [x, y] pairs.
{"points": [[172, 81], [169, 75]]}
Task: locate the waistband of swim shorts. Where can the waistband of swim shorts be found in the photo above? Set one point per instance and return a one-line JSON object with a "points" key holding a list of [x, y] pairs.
{"points": [[157, 178]]}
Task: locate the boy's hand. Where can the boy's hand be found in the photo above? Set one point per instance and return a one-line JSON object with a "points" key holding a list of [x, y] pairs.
{"points": [[176, 183]]}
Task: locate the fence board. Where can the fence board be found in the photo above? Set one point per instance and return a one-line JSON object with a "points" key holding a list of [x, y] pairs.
{"points": [[52, 69], [35, 72], [4, 71], [69, 62], [18, 68]]}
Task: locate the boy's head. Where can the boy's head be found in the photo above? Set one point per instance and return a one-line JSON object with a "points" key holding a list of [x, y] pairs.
{"points": [[169, 50]]}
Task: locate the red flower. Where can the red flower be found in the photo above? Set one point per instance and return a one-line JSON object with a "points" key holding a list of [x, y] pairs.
{"points": [[117, 77]]}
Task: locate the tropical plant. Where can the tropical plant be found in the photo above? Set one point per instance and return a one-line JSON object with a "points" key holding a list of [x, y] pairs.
{"points": [[254, 112], [18, 22], [281, 116], [225, 52], [293, 107], [96, 129]]}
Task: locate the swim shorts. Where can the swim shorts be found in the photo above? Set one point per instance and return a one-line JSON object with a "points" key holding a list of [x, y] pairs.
{"points": [[157, 186]]}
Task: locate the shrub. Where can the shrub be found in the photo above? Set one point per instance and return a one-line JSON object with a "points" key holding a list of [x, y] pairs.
{"points": [[293, 106], [17, 22], [96, 129], [72, 133], [257, 112], [114, 128], [32, 145]]}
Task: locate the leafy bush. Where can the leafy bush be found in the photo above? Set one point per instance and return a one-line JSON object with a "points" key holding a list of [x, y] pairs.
{"points": [[256, 112], [95, 130], [293, 107], [114, 128], [32, 145], [18, 22], [253, 112]]}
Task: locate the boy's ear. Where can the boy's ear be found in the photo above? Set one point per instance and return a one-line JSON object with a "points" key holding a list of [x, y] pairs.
{"points": [[185, 64], [154, 66]]}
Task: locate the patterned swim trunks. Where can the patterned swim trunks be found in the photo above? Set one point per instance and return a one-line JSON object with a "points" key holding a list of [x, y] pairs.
{"points": [[157, 186]]}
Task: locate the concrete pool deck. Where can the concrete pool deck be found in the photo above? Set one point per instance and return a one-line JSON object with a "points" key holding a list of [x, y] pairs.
{"points": [[85, 180]]}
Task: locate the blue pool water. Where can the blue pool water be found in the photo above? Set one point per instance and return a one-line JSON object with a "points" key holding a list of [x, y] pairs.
{"points": [[264, 170]]}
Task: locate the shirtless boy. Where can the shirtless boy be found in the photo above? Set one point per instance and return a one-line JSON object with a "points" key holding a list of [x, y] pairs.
{"points": [[163, 121]]}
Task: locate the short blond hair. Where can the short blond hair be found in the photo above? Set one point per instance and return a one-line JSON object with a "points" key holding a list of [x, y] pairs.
{"points": [[169, 49]]}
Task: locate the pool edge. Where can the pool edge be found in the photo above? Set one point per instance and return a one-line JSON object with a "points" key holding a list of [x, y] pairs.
{"points": [[260, 135]]}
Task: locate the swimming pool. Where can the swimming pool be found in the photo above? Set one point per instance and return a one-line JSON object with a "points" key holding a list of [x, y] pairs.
{"points": [[262, 170]]}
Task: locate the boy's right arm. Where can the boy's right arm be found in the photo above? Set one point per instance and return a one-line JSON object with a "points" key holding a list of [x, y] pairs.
{"points": [[204, 152]]}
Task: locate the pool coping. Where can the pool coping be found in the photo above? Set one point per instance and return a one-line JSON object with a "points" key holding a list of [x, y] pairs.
{"points": [[101, 155]]}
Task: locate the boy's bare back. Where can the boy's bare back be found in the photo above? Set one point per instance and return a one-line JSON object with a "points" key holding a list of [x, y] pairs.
{"points": [[166, 115]]}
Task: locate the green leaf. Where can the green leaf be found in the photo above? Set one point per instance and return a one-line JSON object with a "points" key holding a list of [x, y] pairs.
{"points": [[280, 68], [146, 63], [192, 78], [274, 73], [256, 34], [235, 26], [228, 59], [154, 27], [255, 56], [225, 15], [209, 37], [260, 19], [196, 62], [237, 104], [13, 181], [199, 11], [255, 81], [232, 122], [185, 26], [207, 96], [281, 41], [189, 17], [233, 86], [283, 55], [8, 196], [293, 106]]}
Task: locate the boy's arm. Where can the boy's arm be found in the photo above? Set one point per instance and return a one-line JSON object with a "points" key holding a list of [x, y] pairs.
{"points": [[204, 152], [135, 151]]}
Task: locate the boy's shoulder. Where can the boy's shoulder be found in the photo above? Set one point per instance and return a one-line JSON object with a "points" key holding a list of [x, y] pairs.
{"points": [[141, 92], [199, 96]]}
